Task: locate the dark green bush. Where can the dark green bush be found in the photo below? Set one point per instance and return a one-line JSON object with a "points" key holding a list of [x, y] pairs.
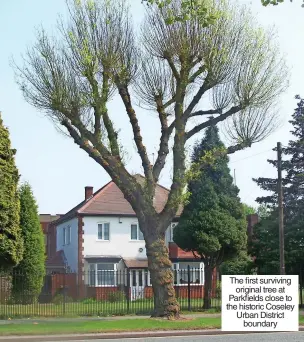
{"points": [[60, 298], [117, 296]]}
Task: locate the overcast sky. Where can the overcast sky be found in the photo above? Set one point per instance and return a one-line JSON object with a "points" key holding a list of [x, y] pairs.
{"points": [[58, 170]]}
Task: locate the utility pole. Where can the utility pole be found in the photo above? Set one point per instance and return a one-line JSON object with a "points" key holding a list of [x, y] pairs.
{"points": [[280, 203]]}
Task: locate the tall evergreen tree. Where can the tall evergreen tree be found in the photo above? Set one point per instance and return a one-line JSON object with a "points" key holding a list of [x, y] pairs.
{"points": [[29, 274], [213, 222], [11, 246], [267, 254]]}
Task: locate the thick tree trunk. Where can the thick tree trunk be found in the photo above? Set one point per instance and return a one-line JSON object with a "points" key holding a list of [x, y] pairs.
{"points": [[207, 287], [165, 303]]}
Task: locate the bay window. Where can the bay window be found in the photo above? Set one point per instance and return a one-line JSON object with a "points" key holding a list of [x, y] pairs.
{"points": [[103, 274], [196, 273]]}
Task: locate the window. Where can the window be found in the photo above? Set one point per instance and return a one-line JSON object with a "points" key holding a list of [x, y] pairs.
{"points": [[104, 231], [102, 274], [196, 274], [66, 235], [136, 233]]}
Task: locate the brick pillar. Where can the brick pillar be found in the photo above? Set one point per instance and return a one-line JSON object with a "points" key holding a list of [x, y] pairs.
{"points": [[81, 283], [252, 220]]}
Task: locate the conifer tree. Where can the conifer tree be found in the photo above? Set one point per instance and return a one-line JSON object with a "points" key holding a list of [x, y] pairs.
{"points": [[213, 222], [29, 274], [11, 246], [265, 246]]}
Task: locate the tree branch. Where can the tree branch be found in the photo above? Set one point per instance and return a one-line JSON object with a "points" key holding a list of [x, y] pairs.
{"points": [[101, 112], [205, 112], [238, 147], [131, 189], [163, 150], [198, 72], [196, 99], [172, 66], [213, 121], [125, 96]]}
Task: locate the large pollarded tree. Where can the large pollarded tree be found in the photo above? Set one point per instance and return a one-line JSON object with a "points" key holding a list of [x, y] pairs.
{"points": [[171, 66]]}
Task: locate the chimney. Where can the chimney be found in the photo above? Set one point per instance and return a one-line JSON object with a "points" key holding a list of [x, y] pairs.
{"points": [[88, 192]]}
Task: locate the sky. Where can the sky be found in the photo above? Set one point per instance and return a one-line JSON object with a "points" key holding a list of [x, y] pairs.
{"points": [[58, 170]]}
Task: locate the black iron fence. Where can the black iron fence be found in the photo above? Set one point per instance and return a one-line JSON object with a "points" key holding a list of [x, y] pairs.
{"points": [[101, 292]]}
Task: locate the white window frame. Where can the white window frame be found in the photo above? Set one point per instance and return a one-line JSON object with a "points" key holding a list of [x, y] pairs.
{"points": [[137, 232], [172, 226], [66, 232], [102, 231], [176, 267], [96, 274]]}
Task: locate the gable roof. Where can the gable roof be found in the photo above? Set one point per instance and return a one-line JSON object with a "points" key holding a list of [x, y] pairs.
{"points": [[109, 200]]}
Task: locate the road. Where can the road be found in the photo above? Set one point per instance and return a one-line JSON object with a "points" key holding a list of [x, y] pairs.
{"points": [[269, 337]]}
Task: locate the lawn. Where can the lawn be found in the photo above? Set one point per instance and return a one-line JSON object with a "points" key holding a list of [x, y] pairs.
{"points": [[93, 308], [87, 327]]}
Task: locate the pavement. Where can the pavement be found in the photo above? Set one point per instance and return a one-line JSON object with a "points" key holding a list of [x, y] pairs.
{"points": [[212, 335], [273, 337]]}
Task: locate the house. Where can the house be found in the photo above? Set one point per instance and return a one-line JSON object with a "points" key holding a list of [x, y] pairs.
{"points": [[100, 241], [45, 222]]}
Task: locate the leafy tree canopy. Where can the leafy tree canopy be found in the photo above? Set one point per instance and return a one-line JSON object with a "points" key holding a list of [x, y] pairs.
{"points": [[29, 274], [266, 238], [248, 210], [169, 65], [11, 244]]}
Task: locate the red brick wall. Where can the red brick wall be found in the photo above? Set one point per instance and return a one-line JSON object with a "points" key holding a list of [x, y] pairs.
{"points": [[176, 252], [196, 291], [101, 293], [252, 220], [52, 240]]}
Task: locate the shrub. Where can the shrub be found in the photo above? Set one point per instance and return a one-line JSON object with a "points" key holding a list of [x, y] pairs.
{"points": [[89, 301], [60, 298], [218, 293], [117, 296]]}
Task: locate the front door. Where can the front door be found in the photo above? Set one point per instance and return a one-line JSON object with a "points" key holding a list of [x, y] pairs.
{"points": [[137, 283]]}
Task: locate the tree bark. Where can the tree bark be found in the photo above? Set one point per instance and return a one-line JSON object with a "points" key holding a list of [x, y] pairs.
{"points": [[165, 303], [208, 287]]}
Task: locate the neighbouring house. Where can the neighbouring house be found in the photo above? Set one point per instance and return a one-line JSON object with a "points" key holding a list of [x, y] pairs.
{"points": [[46, 220], [100, 241]]}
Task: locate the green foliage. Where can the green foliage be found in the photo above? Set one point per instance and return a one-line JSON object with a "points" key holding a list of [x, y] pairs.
{"points": [[242, 264], [29, 274], [201, 10], [218, 290], [213, 223], [248, 210], [59, 298], [89, 301], [11, 244], [263, 211], [265, 245], [117, 296], [272, 2], [275, 2]]}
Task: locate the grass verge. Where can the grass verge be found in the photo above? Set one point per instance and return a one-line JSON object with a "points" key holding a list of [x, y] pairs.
{"points": [[86, 327]]}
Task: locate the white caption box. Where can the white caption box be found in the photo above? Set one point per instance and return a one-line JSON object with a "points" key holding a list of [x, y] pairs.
{"points": [[260, 303]]}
